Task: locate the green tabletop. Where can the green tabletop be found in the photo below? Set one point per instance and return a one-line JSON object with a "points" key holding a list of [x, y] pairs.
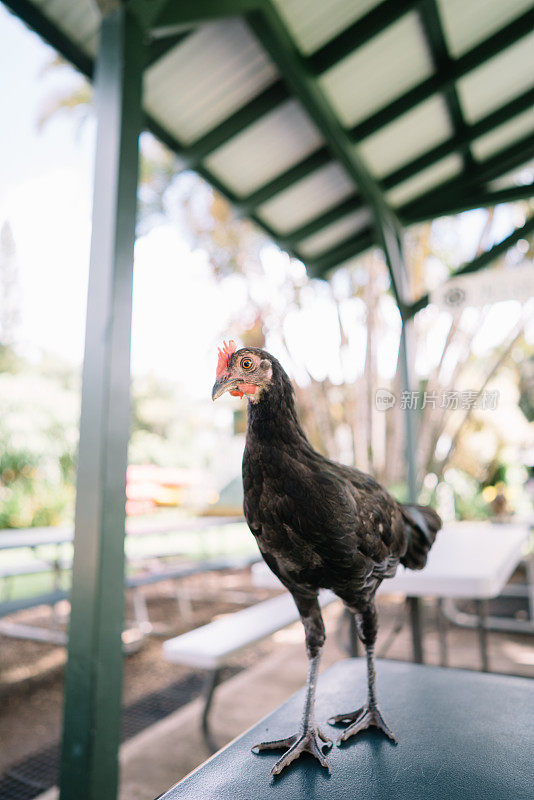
{"points": [[461, 735]]}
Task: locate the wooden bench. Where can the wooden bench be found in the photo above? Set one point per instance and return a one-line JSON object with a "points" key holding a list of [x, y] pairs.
{"points": [[211, 646]]}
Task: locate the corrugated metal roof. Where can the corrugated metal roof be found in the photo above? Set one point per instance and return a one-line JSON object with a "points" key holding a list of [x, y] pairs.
{"points": [[80, 20], [427, 125], [501, 78], [504, 135], [425, 180], [344, 101], [335, 233], [312, 24], [265, 149], [203, 81], [307, 198], [466, 23], [381, 70], [524, 176]]}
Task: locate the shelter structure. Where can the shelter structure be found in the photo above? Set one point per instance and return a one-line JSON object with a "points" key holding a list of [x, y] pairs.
{"points": [[333, 126]]}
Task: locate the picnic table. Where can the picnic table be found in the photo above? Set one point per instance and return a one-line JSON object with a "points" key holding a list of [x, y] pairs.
{"points": [[468, 560], [35, 539], [461, 734]]}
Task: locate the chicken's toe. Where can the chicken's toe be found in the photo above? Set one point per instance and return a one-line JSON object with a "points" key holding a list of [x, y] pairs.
{"points": [[313, 742], [365, 717]]}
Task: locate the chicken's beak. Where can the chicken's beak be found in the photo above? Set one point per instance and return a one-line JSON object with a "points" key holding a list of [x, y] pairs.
{"points": [[221, 386]]}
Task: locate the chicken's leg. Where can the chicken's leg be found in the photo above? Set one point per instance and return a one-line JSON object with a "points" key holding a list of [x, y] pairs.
{"points": [[368, 715], [310, 738]]}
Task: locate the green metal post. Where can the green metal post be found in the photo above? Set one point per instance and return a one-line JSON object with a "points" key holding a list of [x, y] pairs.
{"points": [[405, 360], [93, 683], [393, 249]]}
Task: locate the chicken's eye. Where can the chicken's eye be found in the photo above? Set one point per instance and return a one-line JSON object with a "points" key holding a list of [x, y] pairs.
{"points": [[247, 363]]}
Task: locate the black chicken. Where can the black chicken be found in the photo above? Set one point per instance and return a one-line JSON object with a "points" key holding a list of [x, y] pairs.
{"points": [[318, 524]]}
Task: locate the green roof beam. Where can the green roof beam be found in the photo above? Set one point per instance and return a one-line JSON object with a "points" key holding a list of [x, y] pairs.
{"points": [[461, 140], [490, 47], [511, 158], [459, 204], [257, 108], [359, 33], [276, 40], [428, 13], [160, 47], [169, 141], [481, 261], [46, 29], [305, 167], [321, 158], [176, 16], [504, 161], [350, 248], [166, 17], [352, 203]]}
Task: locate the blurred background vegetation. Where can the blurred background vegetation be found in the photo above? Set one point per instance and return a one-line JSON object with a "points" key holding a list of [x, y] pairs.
{"points": [[470, 461]]}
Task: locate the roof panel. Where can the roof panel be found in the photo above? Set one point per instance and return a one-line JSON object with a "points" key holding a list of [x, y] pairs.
{"points": [[504, 135], [498, 80], [307, 198], [265, 149], [524, 176], [221, 66], [466, 24], [312, 23], [335, 233], [197, 85], [80, 20], [380, 71], [409, 136], [425, 180]]}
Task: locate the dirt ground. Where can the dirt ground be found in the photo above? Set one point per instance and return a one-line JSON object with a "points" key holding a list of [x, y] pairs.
{"points": [[31, 673]]}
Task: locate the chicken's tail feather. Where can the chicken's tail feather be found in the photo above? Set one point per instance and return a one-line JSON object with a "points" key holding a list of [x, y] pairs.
{"points": [[422, 526]]}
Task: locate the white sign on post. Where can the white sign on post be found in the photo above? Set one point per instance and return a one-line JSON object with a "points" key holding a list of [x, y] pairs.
{"points": [[486, 286]]}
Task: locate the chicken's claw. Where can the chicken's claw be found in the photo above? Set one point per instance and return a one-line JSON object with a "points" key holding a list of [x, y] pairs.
{"points": [[365, 717], [313, 742]]}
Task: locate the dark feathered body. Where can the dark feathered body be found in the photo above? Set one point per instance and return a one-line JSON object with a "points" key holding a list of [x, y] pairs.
{"points": [[320, 524]]}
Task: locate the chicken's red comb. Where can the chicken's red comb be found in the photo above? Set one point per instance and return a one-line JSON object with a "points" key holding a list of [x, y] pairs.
{"points": [[225, 354]]}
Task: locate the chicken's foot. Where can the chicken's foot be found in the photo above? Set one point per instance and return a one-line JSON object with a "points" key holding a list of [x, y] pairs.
{"points": [[368, 715], [365, 717], [313, 742], [310, 738]]}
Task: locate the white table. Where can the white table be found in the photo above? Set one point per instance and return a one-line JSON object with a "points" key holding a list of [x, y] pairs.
{"points": [[468, 560]]}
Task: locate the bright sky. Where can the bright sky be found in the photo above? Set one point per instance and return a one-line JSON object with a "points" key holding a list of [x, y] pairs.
{"points": [[45, 193]]}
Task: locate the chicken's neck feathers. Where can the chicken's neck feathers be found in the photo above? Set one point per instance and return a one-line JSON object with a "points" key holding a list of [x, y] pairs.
{"points": [[274, 417]]}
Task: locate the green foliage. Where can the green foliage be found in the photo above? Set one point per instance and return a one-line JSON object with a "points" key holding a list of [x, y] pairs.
{"points": [[165, 430], [34, 503], [468, 500], [472, 506], [39, 413], [38, 438]]}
